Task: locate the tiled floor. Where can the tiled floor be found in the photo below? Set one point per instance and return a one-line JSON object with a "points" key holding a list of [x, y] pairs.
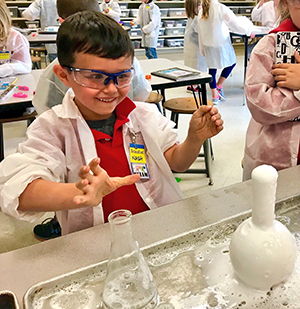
{"points": [[227, 147]]}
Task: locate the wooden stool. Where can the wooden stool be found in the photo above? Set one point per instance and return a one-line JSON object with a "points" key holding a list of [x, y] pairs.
{"points": [[36, 62], [29, 119], [38, 51], [155, 98], [188, 105]]}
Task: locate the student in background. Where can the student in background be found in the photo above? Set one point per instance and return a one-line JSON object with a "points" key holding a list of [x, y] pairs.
{"points": [[14, 47], [149, 19], [191, 53], [51, 90], [111, 8], [46, 11], [272, 94], [215, 22], [266, 13], [91, 132]]}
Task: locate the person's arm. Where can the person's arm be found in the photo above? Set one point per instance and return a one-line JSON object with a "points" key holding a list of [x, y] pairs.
{"points": [[115, 11], [43, 195], [33, 11], [20, 62], [205, 123], [267, 102]]}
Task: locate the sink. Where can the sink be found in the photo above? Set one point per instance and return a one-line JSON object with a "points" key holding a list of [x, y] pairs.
{"points": [[191, 270]]}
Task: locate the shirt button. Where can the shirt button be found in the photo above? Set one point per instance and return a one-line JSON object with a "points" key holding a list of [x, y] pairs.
{"points": [[294, 156], [107, 139], [148, 200]]}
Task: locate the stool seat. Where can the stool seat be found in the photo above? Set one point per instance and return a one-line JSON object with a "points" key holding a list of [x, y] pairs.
{"points": [[184, 105], [38, 48], [154, 98]]}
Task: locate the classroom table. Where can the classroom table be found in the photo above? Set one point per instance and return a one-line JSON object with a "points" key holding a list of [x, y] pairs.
{"points": [[38, 38], [161, 84], [30, 80], [259, 32], [25, 267]]}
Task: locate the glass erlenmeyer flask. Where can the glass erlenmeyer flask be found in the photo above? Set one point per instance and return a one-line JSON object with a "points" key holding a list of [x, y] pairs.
{"points": [[129, 283]]}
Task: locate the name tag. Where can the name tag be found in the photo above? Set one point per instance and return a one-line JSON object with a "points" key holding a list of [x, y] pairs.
{"points": [[138, 160], [4, 55], [147, 7]]}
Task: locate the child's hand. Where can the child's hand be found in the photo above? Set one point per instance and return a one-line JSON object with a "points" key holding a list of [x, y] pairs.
{"points": [[106, 11], [95, 186], [287, 75], [252, 35], [205, 123]]}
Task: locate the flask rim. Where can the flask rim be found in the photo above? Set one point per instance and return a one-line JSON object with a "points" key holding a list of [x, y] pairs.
{"points": [[120, 216]]}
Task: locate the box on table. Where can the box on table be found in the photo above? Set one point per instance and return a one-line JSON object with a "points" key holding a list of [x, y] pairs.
{"points": [[245, 9], [164, 12], [235, 9], [161, 31], [135, 32], [177, 12], [125, 12], [13, 11], [180, 23], [32, 24], [160, 43], [134, 12], [174, 42], [136, 44], [175, 31]]}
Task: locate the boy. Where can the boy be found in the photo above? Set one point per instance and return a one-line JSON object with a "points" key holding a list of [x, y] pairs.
{"points": [[96, 119], [149, 19], [50, 90]]}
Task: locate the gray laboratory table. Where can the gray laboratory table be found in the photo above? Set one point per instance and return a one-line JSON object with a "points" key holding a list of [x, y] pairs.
{"points": [[22, 268]]}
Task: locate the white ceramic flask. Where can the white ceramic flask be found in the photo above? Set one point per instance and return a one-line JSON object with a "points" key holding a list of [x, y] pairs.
{"points": [[262, 250]]}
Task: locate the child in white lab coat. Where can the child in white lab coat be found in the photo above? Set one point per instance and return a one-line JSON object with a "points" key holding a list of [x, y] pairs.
{"points": [[149, 19], [45, 10], [191, 53], [14, 47], [266, 13], [215, 22], [111, 8]]}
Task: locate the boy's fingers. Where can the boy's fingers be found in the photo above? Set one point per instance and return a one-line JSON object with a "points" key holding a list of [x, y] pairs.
{"points": [[125, 181], [297, 56], [203, 109]]}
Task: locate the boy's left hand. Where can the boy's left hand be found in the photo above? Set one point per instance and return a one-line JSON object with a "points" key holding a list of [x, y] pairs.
{"points": [[205, 123]]}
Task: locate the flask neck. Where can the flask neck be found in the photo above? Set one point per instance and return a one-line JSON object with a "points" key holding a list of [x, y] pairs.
{"points": [[264, 182]]}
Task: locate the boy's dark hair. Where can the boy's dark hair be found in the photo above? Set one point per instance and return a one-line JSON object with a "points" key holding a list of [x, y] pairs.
{"points": [[66, 8], [92, 33]]}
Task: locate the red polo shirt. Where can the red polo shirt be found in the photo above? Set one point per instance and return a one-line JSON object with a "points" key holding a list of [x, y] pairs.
{"points": [[113, 159]]}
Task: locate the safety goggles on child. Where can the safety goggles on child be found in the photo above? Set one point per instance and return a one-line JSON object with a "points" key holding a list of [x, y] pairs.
{"points": [[97, 79]]}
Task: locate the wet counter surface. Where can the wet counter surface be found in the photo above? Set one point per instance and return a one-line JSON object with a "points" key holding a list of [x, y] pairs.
{"points": [[20, 269]]}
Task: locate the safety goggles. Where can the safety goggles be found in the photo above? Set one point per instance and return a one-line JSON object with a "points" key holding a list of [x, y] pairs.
{"points": [[97, 79]]}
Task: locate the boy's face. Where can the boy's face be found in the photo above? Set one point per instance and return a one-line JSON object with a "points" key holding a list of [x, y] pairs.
{"points": [[97, 104]]}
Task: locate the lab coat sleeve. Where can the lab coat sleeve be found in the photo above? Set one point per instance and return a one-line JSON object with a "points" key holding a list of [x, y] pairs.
{"points": [[40, 156], [154, 15], [268, 103], [256, 14], [237, 24], [50, 90], [141, 87], [20, 62], [115, 11], [138, 18], [33, 11]]}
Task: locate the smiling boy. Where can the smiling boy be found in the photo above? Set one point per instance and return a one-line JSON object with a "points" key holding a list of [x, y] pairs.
{"points": [[75, 152]]}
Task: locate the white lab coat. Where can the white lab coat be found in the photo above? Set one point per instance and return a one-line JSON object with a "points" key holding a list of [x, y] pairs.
{"points": [[114, 9], [20, 61], [191, 53], [266, 15], [47, 12], [59, 142], [214, 34], [149, 19], [50, 89]]}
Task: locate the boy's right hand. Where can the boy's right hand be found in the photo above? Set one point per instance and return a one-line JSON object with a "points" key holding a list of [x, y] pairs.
{"points": [[96, 185]]}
